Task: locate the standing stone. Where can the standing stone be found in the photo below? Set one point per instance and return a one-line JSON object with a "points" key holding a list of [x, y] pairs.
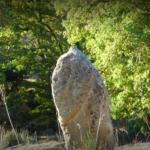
{"points": [[79, 93]]}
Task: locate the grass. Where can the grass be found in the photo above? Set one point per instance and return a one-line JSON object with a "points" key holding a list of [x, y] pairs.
{"points": [[9, 138], [3, 97], [88, 142]]}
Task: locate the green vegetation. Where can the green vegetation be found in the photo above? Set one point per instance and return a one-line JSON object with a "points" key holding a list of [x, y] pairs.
{"points": [[114, 34], [88, 141], [9, 139], [31, 40]]}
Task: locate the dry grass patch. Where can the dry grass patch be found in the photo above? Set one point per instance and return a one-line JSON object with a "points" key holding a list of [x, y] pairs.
{"points": [[137, 146]]}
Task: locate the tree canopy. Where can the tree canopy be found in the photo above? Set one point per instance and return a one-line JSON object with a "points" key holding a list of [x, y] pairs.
{"points": [[114, 34], [31, 41]]}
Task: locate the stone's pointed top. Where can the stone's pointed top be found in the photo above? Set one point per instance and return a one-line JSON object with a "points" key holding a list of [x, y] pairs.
{"points": [[79, 92], [73, 52], [73, 48]]}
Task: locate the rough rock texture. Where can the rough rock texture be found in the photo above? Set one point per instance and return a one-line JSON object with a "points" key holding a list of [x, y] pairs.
{"points": [[79, 93]]}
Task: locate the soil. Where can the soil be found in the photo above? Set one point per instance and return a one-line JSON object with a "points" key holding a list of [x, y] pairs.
{"points": [[54, 145], [51, 145], [137, 146]]}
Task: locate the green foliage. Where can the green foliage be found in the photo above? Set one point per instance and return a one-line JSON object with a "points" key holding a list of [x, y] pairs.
{"points": [[88, 141], [116, 35], [31, 41], [9, 139], [2, 78]]}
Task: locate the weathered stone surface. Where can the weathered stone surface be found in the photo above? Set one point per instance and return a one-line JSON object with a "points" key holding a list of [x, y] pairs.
{"points": [[79, 93]]}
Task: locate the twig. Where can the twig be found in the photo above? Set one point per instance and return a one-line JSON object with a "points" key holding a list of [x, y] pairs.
{"points": [[1, 131], [35, 134], [59, 136], [3, 96], [100, 119], [136, 137], [147, 138], [146, 121]]}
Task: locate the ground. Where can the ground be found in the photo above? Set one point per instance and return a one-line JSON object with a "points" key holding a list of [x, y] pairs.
{"points": [[54, 145]]}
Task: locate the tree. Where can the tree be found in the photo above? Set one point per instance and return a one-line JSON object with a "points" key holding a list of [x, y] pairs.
{"points": [[31, 41], [115, 34]]}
